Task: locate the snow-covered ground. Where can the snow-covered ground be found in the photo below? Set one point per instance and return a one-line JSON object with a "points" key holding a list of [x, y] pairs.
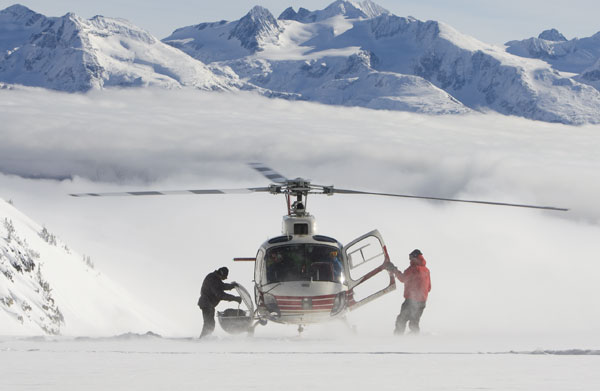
{"points": [[320, 363], [505, 281]]}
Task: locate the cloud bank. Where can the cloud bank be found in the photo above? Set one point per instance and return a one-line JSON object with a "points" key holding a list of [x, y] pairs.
{"points": [[493, 269], [139, 137]]}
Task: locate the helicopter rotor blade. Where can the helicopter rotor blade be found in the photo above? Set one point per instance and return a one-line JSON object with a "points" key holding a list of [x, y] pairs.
{"points": [[174, 192], [345, 191], [268, 173]]}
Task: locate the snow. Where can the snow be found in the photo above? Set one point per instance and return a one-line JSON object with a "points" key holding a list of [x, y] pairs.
{"points": [[147, 362], [73, 54], [457, 73], [570, 56], [85, 300], [472, 74]]}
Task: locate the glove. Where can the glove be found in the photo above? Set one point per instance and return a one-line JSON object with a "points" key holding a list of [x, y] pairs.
{"points": [[235, 284], [238, 299], [390, 267]]}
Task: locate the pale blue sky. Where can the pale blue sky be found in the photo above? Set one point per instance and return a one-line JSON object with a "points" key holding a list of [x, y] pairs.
{"points": [[492, 21]]}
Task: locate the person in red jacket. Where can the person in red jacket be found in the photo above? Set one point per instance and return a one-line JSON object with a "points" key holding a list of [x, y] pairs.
{"points": [[417, 284]]}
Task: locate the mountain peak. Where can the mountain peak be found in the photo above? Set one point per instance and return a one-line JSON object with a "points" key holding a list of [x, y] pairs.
{"points": [[366, 9], [20, 14], [257, 26], [370, 8], [290, 14], [17, 10], [355, 9], [259, 12], [552, 35]]}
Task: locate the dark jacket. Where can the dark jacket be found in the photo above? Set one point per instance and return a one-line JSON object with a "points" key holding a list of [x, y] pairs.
{"points": [[213, 291], [416, 279]]}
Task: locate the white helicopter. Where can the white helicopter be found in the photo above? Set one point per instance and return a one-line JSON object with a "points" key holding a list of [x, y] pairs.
{"points": [[301, 277]]}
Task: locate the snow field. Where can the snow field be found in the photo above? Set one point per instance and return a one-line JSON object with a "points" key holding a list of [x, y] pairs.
{"points": [[226, 363]]}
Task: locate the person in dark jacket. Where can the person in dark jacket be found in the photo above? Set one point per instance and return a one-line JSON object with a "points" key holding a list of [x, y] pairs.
{"points": [[417, 284], [212, 292]]}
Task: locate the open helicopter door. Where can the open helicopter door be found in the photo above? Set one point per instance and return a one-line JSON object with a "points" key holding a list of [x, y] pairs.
{"points": [[238, 320], [365, 260]]}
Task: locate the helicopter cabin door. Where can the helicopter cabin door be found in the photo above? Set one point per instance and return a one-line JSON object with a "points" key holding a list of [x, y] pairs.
{"points": [[365, 260]]}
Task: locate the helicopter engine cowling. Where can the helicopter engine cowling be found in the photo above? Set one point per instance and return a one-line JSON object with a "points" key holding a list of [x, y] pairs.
{"points": [[299, 225]]}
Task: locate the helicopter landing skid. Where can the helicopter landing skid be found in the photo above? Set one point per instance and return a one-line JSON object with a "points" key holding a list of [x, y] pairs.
{"points": [[351, 327], [258, 321]]}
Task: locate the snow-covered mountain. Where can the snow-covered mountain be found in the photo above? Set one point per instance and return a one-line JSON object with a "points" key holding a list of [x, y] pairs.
{"points": [[348, 9], [353, 53], [47, 288], [575, 56], [73, 54], [350, 53]]}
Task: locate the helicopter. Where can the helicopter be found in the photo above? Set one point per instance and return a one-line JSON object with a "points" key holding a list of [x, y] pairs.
{"points": [[302, 277]]}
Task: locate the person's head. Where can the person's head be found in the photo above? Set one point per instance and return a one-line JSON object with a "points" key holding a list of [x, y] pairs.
{"points": [[223, 272], [414, 255]]}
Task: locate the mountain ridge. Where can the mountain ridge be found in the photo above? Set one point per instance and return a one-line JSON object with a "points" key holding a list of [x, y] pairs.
{"points": [[396, 63], [73, 54], [472, 75]]}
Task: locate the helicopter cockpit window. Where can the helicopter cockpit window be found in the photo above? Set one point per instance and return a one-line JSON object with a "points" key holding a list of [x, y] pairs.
{"points": [[304, 262]]}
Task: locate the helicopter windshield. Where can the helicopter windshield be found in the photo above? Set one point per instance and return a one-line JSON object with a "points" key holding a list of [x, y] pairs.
{"points": [[304, 262]]}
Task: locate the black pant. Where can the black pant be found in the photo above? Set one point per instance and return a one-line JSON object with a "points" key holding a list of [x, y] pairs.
{"points": [[411, 312], [208, 314]]}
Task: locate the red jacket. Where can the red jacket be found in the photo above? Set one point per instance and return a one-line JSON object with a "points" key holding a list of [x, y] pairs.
{"points": [[417, 282]]}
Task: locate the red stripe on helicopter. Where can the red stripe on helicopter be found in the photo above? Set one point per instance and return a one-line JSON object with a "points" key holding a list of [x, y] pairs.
{"points": [[306, 297], [301, 312], [315, 302], [321, 303], [299, 307]]}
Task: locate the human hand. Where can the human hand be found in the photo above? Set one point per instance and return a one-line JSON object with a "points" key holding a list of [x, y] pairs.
{"points": [[239, 300]]}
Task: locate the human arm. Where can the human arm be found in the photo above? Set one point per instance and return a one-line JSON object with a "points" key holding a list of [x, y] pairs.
{"points": [[218, 288], [400, 276], [394, 270]]}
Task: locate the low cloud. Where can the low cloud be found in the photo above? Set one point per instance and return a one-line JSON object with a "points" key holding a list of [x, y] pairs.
{"points": [[142, 136], [493, 268]]}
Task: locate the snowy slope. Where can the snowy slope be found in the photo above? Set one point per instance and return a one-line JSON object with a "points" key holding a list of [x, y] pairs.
{"points": [[578, 56], [349, 53], [47, 288], [348, 9], [73, 54], [228, 40], [426, 66], [573, 55], [287, 58]]}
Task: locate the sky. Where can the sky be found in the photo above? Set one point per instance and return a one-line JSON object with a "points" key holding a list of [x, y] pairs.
{"points": [[493, 22], [490, 265]]}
